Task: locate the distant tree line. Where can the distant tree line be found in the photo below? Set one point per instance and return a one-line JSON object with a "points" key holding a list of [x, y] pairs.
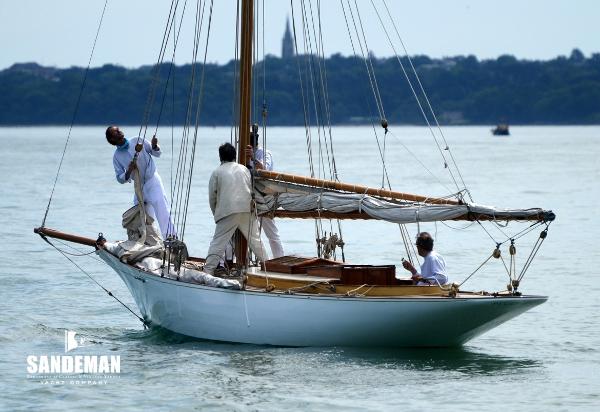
{"points": [[462, 90]]}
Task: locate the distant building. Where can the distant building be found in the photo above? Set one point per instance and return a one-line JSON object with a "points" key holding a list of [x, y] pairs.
{"points": [[287, 44]]}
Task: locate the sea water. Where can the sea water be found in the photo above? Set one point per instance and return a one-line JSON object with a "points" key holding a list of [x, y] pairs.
{"points": [[546, 359]]}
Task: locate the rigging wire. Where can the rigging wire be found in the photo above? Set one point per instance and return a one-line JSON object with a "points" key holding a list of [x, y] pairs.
{"points": [[425, 117], [176, 34], [361, 49], [264, 111], [408, 245], [466, 226], [80, 252], [377, 95], [197, 123], [320, 94], [488, 233], [368, 101], [325, 88], [506, 269], [472, 273], [364, 54], [310, 76], [303, 93], [316, 95], [156, 73], [66, 255], [369, 61], [312, 92], [171, 77], [534, 251], [85, 75], [182, 168], [320, 90], [235, 92], [173, 116], [426, 99], [379, 103], [414, 156], [307, 131], [325, 94]]}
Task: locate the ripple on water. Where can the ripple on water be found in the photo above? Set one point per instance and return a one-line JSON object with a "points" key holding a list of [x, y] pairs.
{"points": [[546, 359]]}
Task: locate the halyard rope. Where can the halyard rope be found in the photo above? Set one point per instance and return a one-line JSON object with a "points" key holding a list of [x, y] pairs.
{"points": [[75, 111]]}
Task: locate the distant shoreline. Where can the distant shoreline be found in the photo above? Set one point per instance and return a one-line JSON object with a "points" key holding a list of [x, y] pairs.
{"points": [[462, 90]]}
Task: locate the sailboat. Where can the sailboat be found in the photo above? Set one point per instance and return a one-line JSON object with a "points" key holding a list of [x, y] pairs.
{"points": [[322, 300]]}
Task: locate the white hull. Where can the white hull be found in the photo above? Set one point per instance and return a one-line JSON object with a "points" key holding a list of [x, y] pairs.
{"points": [[308, 320]]}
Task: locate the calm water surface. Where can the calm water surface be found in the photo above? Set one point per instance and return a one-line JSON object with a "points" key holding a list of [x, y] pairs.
{"points": [[547, 359]]}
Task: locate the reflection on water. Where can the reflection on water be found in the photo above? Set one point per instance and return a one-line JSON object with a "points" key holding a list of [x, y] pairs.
{"points": [[439, 359], [259, 360]]}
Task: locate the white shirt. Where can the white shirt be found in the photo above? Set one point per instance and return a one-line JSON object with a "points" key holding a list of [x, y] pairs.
{"points": [[145, 164], [434, 268], [229, 190], [265, 157]]}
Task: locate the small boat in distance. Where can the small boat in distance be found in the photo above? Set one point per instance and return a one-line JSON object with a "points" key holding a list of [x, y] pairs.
{"points": [[501, 130]]}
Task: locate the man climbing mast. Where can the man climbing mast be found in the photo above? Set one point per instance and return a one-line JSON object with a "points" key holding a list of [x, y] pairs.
{"points": [[153, 190]]}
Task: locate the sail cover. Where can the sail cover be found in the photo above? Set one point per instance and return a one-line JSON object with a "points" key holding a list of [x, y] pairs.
{"points": [[272, 196]]}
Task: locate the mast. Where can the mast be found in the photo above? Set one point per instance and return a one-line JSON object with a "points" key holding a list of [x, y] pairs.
{"points": [[247, 32]]}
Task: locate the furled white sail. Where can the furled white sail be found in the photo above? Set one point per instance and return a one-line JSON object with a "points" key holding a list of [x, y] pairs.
{"points": [[271, 196]]}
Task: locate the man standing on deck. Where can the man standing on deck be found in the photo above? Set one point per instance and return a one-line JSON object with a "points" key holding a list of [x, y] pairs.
{"points": [[230, 199], [433, 269], [261, 159], [153, 190]]}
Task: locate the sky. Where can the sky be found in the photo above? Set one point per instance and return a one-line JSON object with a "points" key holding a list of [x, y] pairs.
{"points": [[61, 32]]}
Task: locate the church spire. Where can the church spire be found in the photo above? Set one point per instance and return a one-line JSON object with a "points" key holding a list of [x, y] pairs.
{"points": [[287, 44]]}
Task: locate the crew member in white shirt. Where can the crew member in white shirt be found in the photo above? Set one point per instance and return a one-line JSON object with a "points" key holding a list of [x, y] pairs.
{"points": [[433, 269], [229, 196], [262, 159], [152, 187]]}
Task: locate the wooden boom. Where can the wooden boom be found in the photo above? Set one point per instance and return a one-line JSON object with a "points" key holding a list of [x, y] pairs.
{"points": [[44, 231], [348, 187], [327, 214]]}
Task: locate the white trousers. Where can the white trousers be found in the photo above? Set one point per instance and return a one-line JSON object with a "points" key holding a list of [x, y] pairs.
{"points": [[247, 224], [268, 225], [157, 206]]}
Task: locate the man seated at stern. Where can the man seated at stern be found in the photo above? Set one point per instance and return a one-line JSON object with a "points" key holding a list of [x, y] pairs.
{"points": [[433, 269]]}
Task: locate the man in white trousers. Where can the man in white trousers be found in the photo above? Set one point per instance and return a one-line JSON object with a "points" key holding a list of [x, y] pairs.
{"points": [[153, 190], [230, 199], [262, 159]]}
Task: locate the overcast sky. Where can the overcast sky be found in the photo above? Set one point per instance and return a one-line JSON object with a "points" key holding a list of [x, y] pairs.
{"points": [[61, 32]]}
